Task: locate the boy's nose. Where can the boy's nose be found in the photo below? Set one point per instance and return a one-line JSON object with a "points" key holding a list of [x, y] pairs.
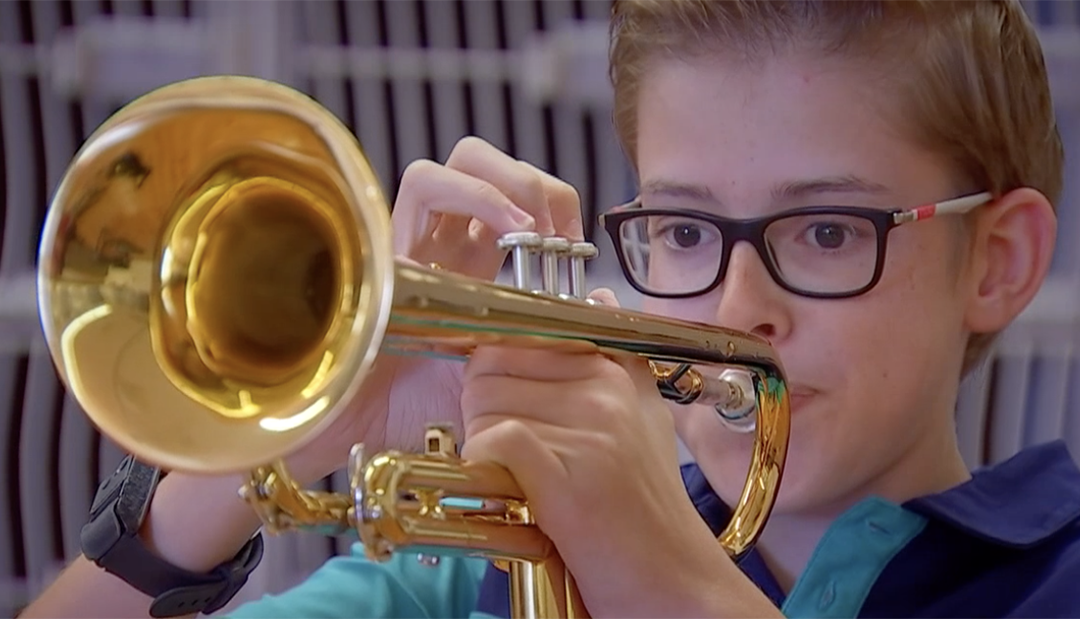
{"points": [[750, 300]]}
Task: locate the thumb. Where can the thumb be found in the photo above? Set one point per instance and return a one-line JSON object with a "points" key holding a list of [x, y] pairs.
{"points": [[604, 296]]}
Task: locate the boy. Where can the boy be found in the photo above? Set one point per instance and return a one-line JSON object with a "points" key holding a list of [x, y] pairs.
{"points": [[733, 113]]}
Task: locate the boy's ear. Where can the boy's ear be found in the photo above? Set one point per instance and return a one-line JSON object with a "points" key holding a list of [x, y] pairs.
{"points": [[1010, 255]]}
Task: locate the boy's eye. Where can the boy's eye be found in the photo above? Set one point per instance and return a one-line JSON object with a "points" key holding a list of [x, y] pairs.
{"points": [[677, 235], [682, 234], [829, 235], [685, 235]]}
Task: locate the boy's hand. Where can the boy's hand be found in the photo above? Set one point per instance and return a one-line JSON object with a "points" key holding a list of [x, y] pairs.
{"points": [[593, 446], [454, 214], [451, 215]]}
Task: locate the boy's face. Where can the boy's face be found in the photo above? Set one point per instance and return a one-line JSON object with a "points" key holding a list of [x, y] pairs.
{"points": [[873, 378]]}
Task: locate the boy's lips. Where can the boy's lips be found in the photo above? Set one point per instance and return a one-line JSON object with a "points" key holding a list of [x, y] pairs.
{"points": [[799, 397]]}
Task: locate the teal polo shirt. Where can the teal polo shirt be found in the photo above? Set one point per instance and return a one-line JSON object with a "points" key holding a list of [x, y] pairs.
{"points": [[1004, 544], [352, 586]]}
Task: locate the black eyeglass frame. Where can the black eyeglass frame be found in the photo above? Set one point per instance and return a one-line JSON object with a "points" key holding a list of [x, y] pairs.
{"points": [[753, 231]]}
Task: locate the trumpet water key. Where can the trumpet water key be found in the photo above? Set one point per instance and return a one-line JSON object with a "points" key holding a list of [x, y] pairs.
{"points": [[215, 280]]}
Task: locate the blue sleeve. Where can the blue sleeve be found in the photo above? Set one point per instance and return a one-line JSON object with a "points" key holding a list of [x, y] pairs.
{"points": [[353, 586], [1054, 592]]}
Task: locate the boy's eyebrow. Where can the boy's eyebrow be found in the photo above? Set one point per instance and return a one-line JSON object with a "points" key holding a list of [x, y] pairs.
{"points": [[676, 189], [790, 190], [830, 184]]}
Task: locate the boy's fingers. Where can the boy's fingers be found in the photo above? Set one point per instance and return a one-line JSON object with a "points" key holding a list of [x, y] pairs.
{"points": [[564, 204], [518, 182], [429, 190], [605, 296], [517, 446]]}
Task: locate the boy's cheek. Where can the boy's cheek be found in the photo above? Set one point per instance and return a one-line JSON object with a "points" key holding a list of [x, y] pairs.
{"points": [[693, 309]]}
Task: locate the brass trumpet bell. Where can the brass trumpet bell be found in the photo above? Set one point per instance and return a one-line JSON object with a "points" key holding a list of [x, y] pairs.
{"points": [[215, 273], [216, 279]]}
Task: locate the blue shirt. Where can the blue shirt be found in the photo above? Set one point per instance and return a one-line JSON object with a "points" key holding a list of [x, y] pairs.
{"points": [[1004, 544]]}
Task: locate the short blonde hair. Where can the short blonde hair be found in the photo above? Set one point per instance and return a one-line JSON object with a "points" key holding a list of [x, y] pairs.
{"points": [[970, 76]]}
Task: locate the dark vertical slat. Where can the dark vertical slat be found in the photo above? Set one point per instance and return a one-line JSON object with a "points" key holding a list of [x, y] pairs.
{"points": [[481, 21], [168, 9], [1046, 396], [37, 458], [447, 96], [1010, 383], [613, 167], [520, 22], [13, 559], [92, 112], [23, 148], [59, 135], [1045, 13], [198, 9], [567, 130], [12, 562], [322, 27], [78, 474], [130, 8], [372, 110], [18, 170], [38, 472], [972, 415], [1071, 432], [410, 115]]}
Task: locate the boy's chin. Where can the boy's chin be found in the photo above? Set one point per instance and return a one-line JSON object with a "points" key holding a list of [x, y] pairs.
{"points": [[810, 487], [807, 487]]}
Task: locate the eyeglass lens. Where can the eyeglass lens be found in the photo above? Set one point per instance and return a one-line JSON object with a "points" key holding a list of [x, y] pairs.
{"points": [[813, 253]]}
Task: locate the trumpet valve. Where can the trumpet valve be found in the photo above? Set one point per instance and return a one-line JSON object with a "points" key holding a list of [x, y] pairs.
{"points": [[579, 253], [551, 251], [521, 246]]}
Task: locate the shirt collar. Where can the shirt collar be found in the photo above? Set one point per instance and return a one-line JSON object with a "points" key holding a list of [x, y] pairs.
{"points": [[1018, 503], [716, 514]]}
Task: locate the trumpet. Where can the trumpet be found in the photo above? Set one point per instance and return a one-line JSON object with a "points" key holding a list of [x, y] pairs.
{"points": [[216, 279]]}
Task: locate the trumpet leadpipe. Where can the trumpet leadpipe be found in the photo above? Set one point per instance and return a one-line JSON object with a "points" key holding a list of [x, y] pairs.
{"points": [[730, 392]]}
